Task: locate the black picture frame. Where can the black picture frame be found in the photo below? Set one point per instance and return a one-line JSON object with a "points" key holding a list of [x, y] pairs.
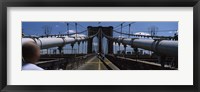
{"points": [[100, 3]]}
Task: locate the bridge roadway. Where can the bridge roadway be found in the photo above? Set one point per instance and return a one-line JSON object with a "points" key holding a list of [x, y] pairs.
{"points": [[97, 63]]}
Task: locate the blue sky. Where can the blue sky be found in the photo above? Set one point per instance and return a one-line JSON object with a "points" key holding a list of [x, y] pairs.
{"points": [[163, 28], [35, 28]]}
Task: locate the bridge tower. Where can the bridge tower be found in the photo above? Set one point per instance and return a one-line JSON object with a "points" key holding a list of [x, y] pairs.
{"points": [[107, 31]]}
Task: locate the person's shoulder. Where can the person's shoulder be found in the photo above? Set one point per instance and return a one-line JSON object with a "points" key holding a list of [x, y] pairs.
{"points": [[30, 66]]}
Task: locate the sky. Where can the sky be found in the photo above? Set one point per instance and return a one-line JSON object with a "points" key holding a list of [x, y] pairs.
{"points": [[163, 28]]}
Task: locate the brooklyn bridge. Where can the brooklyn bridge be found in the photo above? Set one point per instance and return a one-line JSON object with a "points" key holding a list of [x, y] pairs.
{"points": [[110, 54]]}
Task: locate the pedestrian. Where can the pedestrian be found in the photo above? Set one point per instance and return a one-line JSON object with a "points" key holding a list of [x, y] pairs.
{"points": [[30, 55]]}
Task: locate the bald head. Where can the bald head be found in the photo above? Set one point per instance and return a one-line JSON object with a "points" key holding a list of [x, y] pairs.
{"points": [[30, 52]]}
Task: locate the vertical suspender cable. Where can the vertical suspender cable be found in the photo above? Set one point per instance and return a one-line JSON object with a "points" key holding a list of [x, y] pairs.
{"points": [[76, 29], [76, 35], [68, 28], [129, 30], [121, 29]]}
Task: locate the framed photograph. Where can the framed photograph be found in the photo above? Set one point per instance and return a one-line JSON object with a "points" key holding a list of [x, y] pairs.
{"points": [[85, 45]]}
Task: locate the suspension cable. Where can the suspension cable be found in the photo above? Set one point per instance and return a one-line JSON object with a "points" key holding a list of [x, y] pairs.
{"points": [[76, 29], [123, 26], [129, 30], [148, 36], [81, 26], [118, 25]]}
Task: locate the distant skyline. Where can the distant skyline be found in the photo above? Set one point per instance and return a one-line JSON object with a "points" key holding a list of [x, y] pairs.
{"points": [[37, 28]]}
